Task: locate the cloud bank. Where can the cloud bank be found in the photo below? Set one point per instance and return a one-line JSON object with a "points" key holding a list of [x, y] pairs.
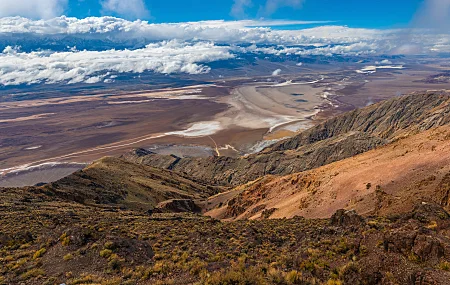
{"points": [[93, 66], [95, 49], [116, 30]]}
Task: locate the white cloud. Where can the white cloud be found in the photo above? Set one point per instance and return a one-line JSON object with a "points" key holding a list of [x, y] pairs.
{"points": [[356, 49], [116, 29], [115, 45], [94, 66], [42, 9], [134, 9], [272, 6], [238, 10], [276, 72], [384, 62], [111, 31]]}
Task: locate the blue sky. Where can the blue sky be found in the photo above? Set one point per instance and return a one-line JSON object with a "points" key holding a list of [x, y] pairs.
{"points": [[354, 13]]}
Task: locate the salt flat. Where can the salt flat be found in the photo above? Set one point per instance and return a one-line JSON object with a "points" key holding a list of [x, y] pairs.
{"points": [[234, 116]]}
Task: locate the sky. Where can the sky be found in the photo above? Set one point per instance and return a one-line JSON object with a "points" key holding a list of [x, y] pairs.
{"points": [[92, 41], [353, 13]]}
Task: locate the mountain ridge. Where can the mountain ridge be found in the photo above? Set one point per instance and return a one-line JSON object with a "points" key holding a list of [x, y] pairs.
{"points": [[338, 138]]}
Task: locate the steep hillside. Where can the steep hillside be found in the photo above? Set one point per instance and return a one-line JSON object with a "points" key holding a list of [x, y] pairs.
{"points": [[388, 180], [389, 120], [113, 181], [336, 139]]}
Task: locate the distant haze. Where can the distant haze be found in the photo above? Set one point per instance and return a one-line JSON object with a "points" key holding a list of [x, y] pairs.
{"points": [[433, 14]]}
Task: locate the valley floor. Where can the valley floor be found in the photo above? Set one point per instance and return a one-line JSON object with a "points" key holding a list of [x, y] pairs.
{"points": [[236, 116]]}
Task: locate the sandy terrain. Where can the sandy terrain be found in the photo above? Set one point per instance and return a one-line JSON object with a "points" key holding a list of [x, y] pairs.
{"points": [[191, 92], [96, 127], [272, 107], [28, 118]]}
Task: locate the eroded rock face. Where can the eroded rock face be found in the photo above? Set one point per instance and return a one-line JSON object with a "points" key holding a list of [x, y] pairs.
{"points": [[400, 240], [177, 206], [228, 171], [347, 218]]}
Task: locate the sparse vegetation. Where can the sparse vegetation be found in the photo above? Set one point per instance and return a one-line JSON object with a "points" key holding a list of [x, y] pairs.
{"points": [[445, 265], [39, 253], [130, 247]]}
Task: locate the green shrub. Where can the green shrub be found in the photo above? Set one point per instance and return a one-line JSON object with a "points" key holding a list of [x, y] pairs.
{"points": [[294, 277], [445, 265], [247, 276], [68, 257], [35, 272], [109, 245], [105, 253], [39, 253]]}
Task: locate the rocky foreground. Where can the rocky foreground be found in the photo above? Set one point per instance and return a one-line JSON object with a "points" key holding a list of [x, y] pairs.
{"points": [[48, 240]]}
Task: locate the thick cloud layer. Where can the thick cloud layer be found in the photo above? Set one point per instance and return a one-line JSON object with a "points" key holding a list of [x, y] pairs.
{"points": [[95, 66], [118, 30], [133, 34], [91, 50]]}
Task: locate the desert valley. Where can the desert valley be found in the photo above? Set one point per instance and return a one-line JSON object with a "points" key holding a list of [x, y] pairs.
{"points": [[146, 142]]}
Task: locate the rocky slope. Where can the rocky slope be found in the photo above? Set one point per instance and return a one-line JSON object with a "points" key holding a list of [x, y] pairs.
{"points": [[391, 179], [336, 139], [113, 181], [45, 239]]}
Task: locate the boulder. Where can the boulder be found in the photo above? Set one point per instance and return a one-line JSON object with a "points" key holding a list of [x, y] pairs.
{"points": [[347, 218]]}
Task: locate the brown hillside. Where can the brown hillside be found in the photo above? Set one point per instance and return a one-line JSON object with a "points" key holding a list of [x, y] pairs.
{"points": [[388, 180], [113, 181]]}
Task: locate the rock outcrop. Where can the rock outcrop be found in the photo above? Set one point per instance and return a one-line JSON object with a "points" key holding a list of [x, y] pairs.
{"points": [[347, 218]]}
